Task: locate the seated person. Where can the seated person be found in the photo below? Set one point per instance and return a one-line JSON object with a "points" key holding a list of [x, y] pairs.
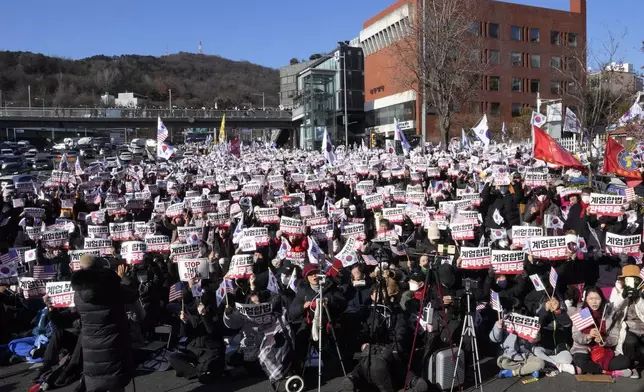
{"points": [[517, 358]]}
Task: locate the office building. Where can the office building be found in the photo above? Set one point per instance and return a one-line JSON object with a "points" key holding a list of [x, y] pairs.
{"points": [[319, 96], [523, 46]]}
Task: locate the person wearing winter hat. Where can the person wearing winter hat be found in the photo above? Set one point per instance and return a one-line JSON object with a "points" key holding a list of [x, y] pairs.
{"points": [[628, 303]]}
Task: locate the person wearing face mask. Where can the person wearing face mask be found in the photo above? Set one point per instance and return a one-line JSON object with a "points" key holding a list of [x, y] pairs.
{"points": [[538, 207], [593, 347], [578, 214], [501, 208], [628, 303]]}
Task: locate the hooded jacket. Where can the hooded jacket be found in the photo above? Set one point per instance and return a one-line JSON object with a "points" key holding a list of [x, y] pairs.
{"points": [[101, 301]]}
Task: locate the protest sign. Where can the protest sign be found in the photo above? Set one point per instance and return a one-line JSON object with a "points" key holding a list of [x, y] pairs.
{"points": [[291, 226], [606, 205], [373, 201], [32, 288], [261, 313], [60, 294], [75, 255], [133, 251], [183, 250], [462, 231], [475, 258], [549, 248], [623, 244], [508, 262], [104, 246], [353, 229], [175, 210], [191, 268], [55, 239], [121, 231], [241, 266], [268, 215], [393, 215], [524, 327], [157, 244], [521, 234]]}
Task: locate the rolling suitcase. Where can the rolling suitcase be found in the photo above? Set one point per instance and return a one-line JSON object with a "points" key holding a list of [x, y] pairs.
{"points": [[440, 369]]}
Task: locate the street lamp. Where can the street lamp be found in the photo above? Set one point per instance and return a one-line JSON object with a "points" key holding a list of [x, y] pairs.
{"points": [[43, 104], [169, 99], [263, 102], [339, 56]]}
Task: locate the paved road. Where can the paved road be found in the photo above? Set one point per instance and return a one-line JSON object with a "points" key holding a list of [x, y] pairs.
{"points": [[17, 378]]}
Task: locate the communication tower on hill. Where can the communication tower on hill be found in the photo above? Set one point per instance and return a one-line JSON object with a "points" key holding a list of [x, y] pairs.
{"points": [[200, 50]]}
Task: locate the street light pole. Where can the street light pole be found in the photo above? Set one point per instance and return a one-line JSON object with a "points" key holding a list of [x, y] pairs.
{"points": [[170, 99], [29, 95], [423, 109]]}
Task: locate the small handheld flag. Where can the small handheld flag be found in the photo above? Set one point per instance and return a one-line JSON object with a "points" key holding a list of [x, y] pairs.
{"points": [[538, 284], [582, 319]]}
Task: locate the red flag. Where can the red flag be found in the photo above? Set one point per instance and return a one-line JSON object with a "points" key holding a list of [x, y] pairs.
{"points": [[620, 162], [548, 150], [235, 147]]}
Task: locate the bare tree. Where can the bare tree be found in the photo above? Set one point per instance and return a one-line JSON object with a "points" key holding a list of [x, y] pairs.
{"points": [[443, 54], [593, 89]]}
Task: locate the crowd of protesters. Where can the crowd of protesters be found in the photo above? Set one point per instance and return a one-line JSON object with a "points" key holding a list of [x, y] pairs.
{"points": [[379, 253]]}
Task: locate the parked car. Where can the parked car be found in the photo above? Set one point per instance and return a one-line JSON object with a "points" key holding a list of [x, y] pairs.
{"points": [[13, 168], [125, 156]]}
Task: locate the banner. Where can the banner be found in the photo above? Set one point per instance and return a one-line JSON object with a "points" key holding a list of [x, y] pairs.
{"points": [[606, 205], [353, 229], [32, 288], [462, 231], [175, 210], [291, 226], [75, 256], [157, 244], [261, 313], [55, 239], [536, 179], [104, 246], [193, 268], [259, 235], [374, 201], [133, 251], [268, 215], [183, 250], [523, 326], [549, 248], [475, 258], [121, 231], [202, 206], [508, 262], [393, 215], [241, 266], [623, 244], [521, 234], [60, 294]]}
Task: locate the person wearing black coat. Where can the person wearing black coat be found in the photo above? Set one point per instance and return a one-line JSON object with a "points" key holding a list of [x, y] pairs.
{"points": [[101, 301], [505, 202]]}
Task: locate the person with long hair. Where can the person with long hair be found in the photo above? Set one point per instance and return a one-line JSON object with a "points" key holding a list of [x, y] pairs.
{"points": [[593, 347]]}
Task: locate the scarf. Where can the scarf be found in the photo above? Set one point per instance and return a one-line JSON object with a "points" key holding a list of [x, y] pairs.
{"points": [[599, 354], [584, 207], [542, 207]]}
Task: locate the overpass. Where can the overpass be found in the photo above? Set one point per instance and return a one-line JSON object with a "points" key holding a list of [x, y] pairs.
{"points": [[140, 118]]}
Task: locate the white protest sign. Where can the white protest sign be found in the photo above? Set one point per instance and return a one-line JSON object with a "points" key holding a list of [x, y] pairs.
{"points": [[60, 294], [508, 262], [193, 268], [393, 215], [104, 246], [475, 258], [550, 248], [291, 226], [521, 234], [157, 244], [606, 205], [241, 266], [623, 244], [121, 231], [183, 250], [462, 231], [133, 251]]}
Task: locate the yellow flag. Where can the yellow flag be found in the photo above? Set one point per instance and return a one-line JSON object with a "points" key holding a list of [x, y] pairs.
{"points": [[222, 129]]}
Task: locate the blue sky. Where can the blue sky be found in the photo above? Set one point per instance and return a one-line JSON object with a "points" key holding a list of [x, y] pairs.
{"points": [[268, 32]]}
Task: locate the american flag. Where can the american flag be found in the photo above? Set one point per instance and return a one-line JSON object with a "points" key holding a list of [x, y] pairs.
{"points": [[306, 211], [481, 306], [641, 272], [630, 194], [162, 132], [176, 291], [553, 277], [495, 301], [583, 319], [10, 257], [44, 272]]}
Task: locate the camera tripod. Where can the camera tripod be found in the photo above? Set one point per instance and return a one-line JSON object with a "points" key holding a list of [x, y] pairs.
{"points": [[469, 332], [318, 318]]}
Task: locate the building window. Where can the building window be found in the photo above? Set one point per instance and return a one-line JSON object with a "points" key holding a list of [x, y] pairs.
{"points": [[475, 55], [555, 62], [495, 83], [495, 57], [516, 85], [555, 38], [475, 28], [555, 87], [571, 64], [535, 34], [495, 109], [516, 33], [493, 30], [516, 110], [534, 86], [572, 39], [535, 61], [516, 59]]}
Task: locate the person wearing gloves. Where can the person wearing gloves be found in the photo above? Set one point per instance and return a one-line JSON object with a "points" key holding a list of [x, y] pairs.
{"points": [[517, 358], [628, 304], [593, 347]]}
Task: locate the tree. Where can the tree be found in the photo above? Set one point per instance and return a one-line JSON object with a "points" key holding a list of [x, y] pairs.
{"points": [[294, 61], [592, 89], [442, 55]]}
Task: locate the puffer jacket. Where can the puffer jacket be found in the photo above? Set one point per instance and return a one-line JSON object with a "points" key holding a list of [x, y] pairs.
{"points": [[101, 301], [581, 341], [514, 348], [620, 306]]}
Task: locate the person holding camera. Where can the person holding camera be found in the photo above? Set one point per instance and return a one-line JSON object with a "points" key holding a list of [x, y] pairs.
{"points": [[628, 301]]}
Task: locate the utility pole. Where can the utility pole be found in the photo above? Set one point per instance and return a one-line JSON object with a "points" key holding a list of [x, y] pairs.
{"points": [[29, 95], [170, 99], [423, 109]]}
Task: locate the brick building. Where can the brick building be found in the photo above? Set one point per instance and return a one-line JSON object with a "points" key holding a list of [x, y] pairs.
{"points": [[521, 44]]}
